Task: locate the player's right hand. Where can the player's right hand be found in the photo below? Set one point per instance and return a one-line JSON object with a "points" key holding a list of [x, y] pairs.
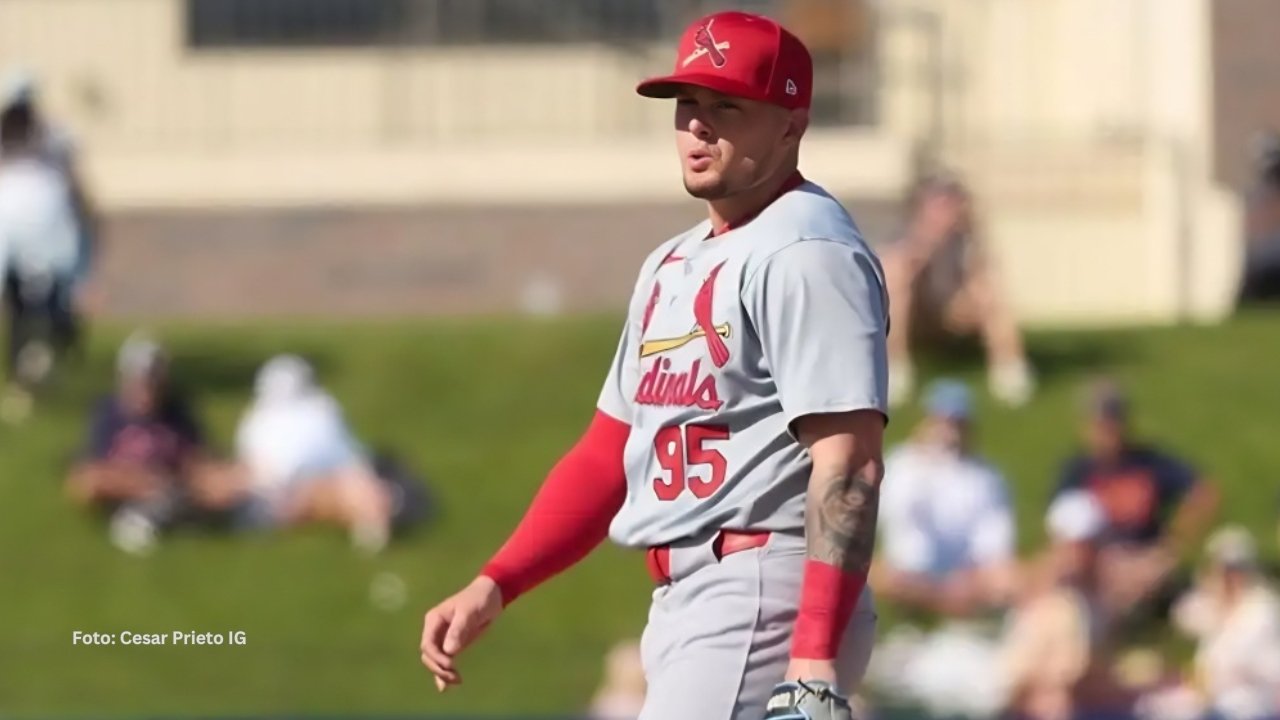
{"points": [[454, 624]]}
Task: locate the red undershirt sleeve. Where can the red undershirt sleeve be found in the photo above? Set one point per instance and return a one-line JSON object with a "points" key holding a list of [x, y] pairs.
{"points": [[570, 515]]}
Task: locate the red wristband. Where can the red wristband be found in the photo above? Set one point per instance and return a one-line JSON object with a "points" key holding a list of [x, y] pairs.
{"points": [[827, 600]]}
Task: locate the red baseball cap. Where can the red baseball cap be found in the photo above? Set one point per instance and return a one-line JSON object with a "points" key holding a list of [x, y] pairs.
{"points": [[743, 55]]}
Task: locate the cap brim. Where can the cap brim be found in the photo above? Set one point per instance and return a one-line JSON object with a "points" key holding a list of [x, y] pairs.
{"points": [[668, 86]]}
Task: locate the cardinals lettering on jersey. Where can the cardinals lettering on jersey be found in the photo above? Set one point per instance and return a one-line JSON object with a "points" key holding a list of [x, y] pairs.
{"points": [[661, 386]]}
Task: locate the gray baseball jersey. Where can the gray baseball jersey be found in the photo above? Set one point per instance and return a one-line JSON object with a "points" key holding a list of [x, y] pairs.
{"points": [[728, 340]]}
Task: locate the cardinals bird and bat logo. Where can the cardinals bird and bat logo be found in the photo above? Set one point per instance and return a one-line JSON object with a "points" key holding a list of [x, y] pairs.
{"points": [[660, 385], [705, 44], [703, 325]]}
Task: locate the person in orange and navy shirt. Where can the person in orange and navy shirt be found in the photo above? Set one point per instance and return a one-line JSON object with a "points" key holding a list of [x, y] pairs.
{"points": [[1157, 506]]}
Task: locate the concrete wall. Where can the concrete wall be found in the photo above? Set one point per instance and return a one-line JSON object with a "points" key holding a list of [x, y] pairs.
{"points": [[120, 72], [168, 126], [1087, 126]]}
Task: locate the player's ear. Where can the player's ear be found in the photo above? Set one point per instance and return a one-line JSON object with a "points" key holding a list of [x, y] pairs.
{"points": [[797, 124]]}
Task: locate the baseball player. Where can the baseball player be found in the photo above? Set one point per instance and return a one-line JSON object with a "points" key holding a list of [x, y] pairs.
{"points": [[738, 436]]}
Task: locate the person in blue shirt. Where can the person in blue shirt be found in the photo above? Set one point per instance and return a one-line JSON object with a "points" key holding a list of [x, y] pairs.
{"points": [[145, 462], [1157, 506], [140, 438]]}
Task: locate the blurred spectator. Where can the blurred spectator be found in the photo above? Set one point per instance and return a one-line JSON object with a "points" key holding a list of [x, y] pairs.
{"points": [[51, 143], [43, 251], [301, 461], [942, 281], [621, 692], [946, 552], [946, 525], [1156, 506], [145, 457], [1235, 617], [1261, 278], [1055, 657]]}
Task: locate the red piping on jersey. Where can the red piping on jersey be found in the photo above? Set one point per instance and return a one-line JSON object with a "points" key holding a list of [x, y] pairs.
{"points": [[794, 181], [570, 515]]}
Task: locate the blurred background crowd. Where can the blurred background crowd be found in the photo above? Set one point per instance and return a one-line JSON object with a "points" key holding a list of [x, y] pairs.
{"points": [[1077, 204]]}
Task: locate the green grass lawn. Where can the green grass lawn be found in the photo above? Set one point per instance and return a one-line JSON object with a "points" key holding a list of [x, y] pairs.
{"points": [[483, 409]]}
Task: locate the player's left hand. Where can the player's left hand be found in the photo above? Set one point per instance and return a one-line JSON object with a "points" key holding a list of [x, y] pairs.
{"points": [[807, 700]]}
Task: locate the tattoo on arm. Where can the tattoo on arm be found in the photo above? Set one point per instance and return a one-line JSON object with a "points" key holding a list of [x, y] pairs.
{"points": [[841, 519]]}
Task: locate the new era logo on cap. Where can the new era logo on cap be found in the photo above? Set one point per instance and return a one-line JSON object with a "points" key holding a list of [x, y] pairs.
{"points": [[743, 55]]}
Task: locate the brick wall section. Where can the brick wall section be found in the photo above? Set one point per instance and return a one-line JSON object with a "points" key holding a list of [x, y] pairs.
{"points": [[383, 262], [1246, 96]]}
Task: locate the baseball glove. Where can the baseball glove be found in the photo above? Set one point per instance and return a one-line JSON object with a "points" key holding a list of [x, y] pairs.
{"points": [[807, 700]]}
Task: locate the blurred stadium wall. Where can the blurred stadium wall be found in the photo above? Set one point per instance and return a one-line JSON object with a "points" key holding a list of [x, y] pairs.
{"points": [[459, 156]]}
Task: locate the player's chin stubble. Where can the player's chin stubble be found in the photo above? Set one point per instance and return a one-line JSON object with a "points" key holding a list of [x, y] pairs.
{"points": [[704, 188]]}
